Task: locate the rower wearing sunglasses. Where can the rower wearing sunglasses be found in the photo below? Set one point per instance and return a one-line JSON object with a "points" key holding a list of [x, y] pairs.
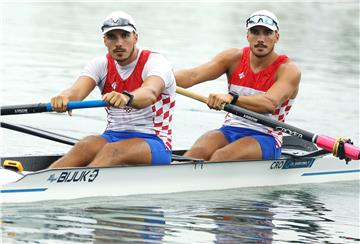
{"points": [[260, 80], [139, 87]]}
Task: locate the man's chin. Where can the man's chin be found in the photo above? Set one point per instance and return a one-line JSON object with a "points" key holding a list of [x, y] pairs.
{"points": [[121, 60], [119, 57], [261, 52]]}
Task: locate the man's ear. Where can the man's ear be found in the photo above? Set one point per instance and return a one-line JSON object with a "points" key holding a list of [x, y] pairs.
{"points": [[277, 34], [136, 37], [104, 39]]}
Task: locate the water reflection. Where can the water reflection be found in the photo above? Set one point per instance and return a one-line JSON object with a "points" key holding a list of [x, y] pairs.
{"points": [[294, 214], [241, 216], [92, 224], [300, 215], [128, 224], [248, 222]]}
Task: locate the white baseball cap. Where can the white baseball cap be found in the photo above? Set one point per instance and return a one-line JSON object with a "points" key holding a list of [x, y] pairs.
{"points": [[263, 18], [118, 20]]}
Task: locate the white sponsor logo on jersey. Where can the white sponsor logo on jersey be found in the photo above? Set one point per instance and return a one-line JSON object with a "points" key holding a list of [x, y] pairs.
{"points": [[241, 75]]}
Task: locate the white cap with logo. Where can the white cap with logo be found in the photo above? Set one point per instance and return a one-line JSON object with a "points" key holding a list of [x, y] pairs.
{"points": [[118, 20], [263, 18]]}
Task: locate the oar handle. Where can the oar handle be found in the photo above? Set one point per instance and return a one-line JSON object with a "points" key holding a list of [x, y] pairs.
{"points": [[46, 107], [324, 142], [86, 104], [191, 94]]}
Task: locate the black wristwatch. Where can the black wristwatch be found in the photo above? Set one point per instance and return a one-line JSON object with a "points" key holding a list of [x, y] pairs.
{"points": [[131, 98], [235, 97]]}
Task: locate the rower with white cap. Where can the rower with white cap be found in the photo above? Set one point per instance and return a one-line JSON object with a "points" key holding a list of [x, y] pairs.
{"points": [[139, 86], [260, 80]]}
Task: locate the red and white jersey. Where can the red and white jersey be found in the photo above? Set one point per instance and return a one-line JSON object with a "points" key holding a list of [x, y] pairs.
{"points": [[154, 119], [244, 82]]}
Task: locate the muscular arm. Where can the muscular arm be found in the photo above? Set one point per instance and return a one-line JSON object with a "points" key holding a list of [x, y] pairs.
{"points": [[78, 91], [285, 87], [211, 70], [148, 93]]}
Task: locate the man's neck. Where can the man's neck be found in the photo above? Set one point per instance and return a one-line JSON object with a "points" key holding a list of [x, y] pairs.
{"points": [[260, 63]]}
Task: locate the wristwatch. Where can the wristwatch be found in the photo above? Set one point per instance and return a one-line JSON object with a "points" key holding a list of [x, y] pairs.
{"points": [[131, 98], [235, 97]]}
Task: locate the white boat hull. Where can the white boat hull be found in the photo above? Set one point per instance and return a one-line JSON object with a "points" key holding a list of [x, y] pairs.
{"points": [[130, 180]]}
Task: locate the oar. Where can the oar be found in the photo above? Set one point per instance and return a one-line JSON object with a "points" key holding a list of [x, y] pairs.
{"points": [[40, 133], [322, 141], [46, 107]]}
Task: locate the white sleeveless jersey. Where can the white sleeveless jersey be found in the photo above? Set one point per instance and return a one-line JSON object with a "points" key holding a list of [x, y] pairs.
{"points": [[154, 119], [245, 82]]}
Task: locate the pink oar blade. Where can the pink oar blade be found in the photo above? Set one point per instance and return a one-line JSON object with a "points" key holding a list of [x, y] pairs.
{"points": [[327, 143]]}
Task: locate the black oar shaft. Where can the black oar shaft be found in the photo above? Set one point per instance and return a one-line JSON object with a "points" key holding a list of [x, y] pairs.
{"points": [[40, 133], [277, 125], [24, 109]]}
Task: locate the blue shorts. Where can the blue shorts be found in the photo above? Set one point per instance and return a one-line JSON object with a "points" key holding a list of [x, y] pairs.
{"points": [[159, 153], [266, 141]]}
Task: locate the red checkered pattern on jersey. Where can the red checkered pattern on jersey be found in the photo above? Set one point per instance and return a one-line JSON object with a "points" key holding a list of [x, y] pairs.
{"points": [[283, 110], [163, 110], [280, 114]]}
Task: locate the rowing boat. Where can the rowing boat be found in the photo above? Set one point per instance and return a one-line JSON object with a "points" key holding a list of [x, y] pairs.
{"points": [[299, 164], [305, 158]]}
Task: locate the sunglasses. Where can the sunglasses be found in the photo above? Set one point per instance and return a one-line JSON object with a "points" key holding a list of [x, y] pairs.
{"points": [[261, 18], [119, 22]]}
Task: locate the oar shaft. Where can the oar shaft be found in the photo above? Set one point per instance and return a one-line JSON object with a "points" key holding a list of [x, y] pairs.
{"points": [[324, 142], [24, 109], [275, 124], [191, 94], [46, 107], [40, 133]]}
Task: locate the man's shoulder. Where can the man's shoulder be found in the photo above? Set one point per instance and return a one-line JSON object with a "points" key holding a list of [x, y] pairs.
{"points": [[290, 65], [156, 57], [99, 60], [232, 53], [229, 56], [154, 54], [290, 70]]}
